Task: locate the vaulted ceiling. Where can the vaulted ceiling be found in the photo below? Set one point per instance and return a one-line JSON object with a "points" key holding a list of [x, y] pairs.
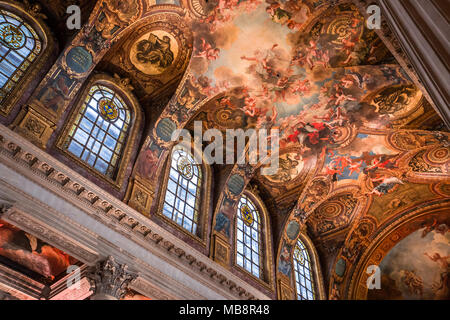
{"points": [[314, 71]]}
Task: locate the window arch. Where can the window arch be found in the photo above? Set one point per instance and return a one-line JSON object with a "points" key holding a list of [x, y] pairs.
{"points": [[304, 276], [249, 246], [99, 132], [20, 46], [183, 192], [103, 127]]}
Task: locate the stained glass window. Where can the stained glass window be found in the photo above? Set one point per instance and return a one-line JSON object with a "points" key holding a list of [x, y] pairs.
{"points": [[182, 200], [100, 130], [303, 273], [248, 237], [19, 47]]}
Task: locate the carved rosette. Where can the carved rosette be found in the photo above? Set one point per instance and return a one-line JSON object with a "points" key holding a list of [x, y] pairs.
{"points": [[109, 280]]}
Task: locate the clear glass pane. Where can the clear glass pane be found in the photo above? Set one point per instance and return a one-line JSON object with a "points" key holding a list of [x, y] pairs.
{"points": [[89, 131], [183, 189], [75, 148], [302, 266]]}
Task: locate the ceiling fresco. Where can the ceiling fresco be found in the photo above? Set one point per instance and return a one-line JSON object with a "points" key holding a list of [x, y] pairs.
{"points": [[417, 267], [342, 104], [362, 151], [153, 56], [44, 261]]}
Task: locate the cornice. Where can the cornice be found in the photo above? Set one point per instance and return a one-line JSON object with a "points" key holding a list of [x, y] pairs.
{"points": [[38, 166]]}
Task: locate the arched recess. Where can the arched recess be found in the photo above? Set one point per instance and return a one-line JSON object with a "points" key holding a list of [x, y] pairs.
{"points": [[286, 275], [147, 174], [34, 43], [266, 276], [203, 196], [418, 222], [127, 139]]}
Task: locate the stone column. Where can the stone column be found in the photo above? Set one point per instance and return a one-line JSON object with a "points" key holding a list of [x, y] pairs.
{"points": [[421, 27], [109, 280]]}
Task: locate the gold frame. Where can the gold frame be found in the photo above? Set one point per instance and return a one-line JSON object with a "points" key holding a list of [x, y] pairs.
{"points": [[204, 199], [220, 242], [267, 267], [48, 45], [380, 246], [131, 140]]}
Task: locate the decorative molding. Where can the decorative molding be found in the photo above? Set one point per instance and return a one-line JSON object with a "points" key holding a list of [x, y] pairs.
{"points": [[142, 286], [110, 279], [34, 227], [19, 285], [38, 166], [34, 126], [410, 31], [7, 296]]}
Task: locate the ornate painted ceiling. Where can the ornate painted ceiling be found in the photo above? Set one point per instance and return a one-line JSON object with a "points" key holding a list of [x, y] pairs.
{"points": [[361, 148], [342, 103]]}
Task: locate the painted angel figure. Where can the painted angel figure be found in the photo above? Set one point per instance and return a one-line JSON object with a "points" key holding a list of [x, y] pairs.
{"points": [[207, 51], [441, 287], [155, 51], [387, 185], [413, 282]]}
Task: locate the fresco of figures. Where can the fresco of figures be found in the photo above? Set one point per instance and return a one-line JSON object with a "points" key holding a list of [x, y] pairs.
{"points": [[417, 268], [32, 253]]}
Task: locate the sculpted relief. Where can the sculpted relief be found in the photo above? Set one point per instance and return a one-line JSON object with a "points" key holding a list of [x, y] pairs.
{"points": [[154, 52]]}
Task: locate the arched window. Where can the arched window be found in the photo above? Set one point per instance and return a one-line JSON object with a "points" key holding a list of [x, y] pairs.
{"points": [[303, 273], [20, 45], [248, 237], [99, 131], [182, 199]]}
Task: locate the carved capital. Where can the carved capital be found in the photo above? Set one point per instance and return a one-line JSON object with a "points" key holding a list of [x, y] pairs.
{"points": [[109, 280], [5, 205]]}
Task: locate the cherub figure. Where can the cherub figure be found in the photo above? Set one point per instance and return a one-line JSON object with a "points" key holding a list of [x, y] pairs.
{"points": [[441, 287], [387, 185], [413, 282], [207, 51]]}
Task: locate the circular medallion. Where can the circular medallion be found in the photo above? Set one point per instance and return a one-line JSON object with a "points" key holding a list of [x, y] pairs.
{"points": [[344, 27], [108, 110], [293, 230], [439, 155], [79, 59], [299, 256], [12, 36], [165, 128], [236, 184], [154, 52], [185, 167], [247, 216]]}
